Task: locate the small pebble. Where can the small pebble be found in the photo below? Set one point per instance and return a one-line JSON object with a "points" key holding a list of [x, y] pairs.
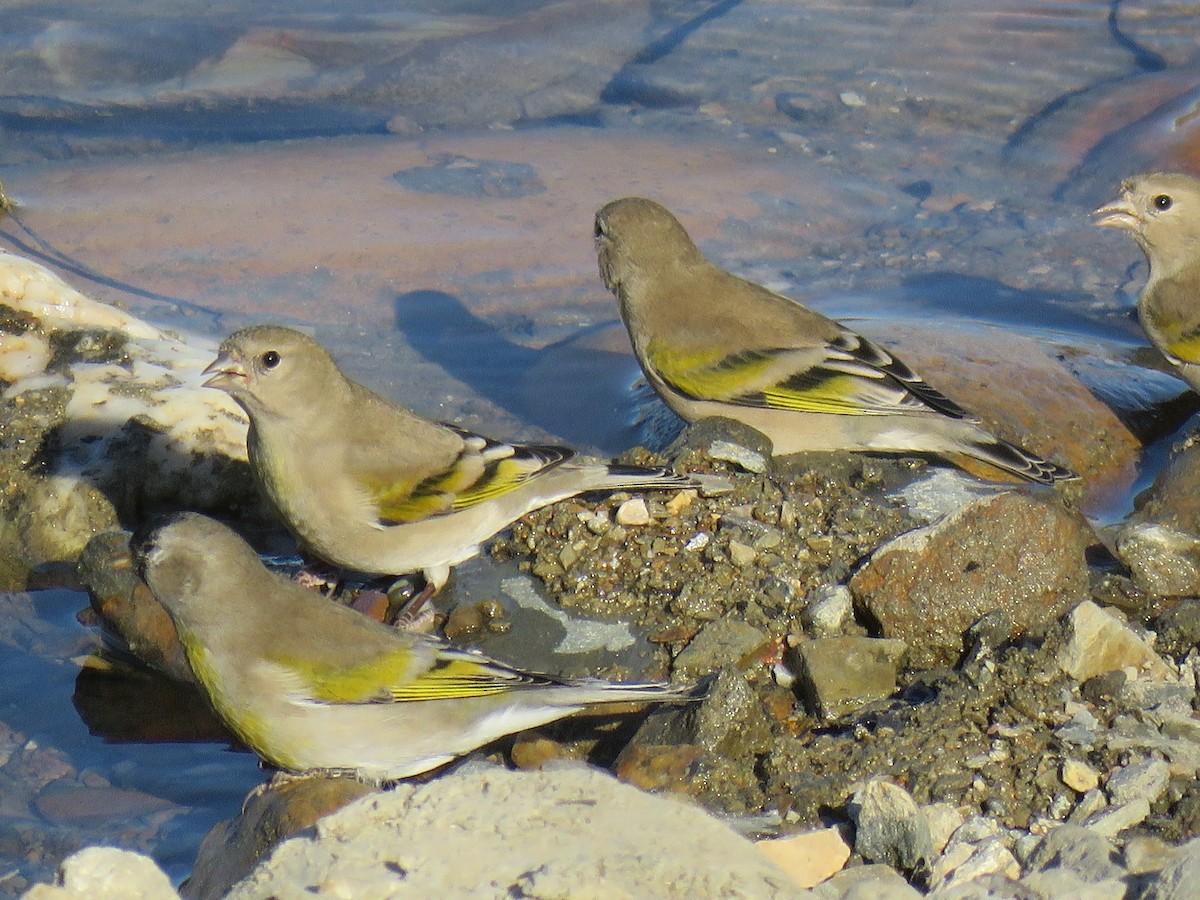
{"points": [[681, 501], [742, 554], [1079, 776], [747, 459], [465, 620], [633, 513]]}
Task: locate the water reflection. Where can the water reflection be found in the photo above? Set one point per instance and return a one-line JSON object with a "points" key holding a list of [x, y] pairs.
{"points": [[130, 760]]}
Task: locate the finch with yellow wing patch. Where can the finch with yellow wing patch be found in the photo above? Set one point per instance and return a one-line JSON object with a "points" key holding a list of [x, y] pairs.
{"points": [[309, 684], [713, 344], [368, 485]]}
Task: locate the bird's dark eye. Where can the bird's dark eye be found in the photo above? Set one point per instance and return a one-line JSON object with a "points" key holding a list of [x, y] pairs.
{"points": [[599, 228], [270, 359], [1162, 202]]}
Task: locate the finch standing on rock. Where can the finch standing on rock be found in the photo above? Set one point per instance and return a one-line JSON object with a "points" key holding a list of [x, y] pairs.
{"points": [[713, 344], [368, 485], [1161, 212], [309, 684]]}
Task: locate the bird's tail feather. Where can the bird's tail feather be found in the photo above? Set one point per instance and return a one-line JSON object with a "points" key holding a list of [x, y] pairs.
{"points": [[589, 692], [647, 478], [1012, 458]]}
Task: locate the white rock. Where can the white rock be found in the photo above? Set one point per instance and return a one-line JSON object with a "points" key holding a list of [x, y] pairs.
{"points": [[1146, 778], [944, 819], [1099, 642], [988, 858], [1112, 821], [22, 356], [633, 512], [486, 831], [192, 432], [106, 873], [32, 288], [828, 610], [1179, 879]]}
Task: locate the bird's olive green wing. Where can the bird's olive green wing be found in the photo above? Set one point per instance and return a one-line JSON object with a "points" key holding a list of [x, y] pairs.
{"points": [[483, 470], [852, 376]]}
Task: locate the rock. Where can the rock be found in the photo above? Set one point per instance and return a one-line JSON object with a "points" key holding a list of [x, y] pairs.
{"points": [[1146, 779], [1079, 776], [1011, 551], [1054, 883], [829, 609], [1173, 500], [1099, 642], [1178, 628], [460, 176], [741, 554], [1112, 821], [1086, 853], [1162, 560], [963, 863], [1179, 879], [890, 828], [839, 674], [633, 512], [722, 440], [1102, 688], [706, 749], [1090, 804], [528, 834], [718, 644], [128, 610], [810, 857], [1161, 541], [873, 882], [66, 804], [1144, 854], [283, 807], [114, 411], [59, 516], [944, 819], [106, 873]]}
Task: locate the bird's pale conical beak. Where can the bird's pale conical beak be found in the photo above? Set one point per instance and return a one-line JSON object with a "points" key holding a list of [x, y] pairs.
{"points": [[1121, 213], [226, 373]]}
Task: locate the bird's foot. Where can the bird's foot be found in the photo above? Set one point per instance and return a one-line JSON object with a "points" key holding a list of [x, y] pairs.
{"points": [[414, 615]]}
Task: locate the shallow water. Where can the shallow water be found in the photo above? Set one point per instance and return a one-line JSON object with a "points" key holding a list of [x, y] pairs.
{"points": [[415, 182]]}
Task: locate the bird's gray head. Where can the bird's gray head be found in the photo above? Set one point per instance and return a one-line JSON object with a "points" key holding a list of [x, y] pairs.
{"points": [[1161, 211], [266, 367], [180, 557], [636, 235]]}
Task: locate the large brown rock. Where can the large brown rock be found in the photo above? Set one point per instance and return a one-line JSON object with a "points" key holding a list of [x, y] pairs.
{"points": [[128, 610], [1013, 551]]}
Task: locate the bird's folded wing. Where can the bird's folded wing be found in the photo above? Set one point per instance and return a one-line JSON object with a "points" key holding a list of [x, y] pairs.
{"points": [[847, 376], [404, 675], [484, 469]]}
